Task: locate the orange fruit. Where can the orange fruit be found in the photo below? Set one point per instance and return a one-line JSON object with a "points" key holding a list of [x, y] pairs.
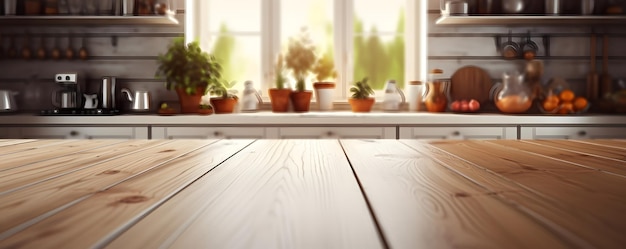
{"points": [[550, 105], [580, 103], [567, 95], [566, 107]]}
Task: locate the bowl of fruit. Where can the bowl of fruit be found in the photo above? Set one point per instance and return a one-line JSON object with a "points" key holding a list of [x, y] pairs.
{"points": [[563, 102], [465, 106]]}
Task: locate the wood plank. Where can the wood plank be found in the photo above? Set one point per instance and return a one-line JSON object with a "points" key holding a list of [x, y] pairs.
{"points": [[9, 142], [613, 143], [52, 149], [113, 210], [31, 146], [22, 207], [595, 200], [35, 173], [439, 208], [274, 194], [576, 158], [584, 148]]}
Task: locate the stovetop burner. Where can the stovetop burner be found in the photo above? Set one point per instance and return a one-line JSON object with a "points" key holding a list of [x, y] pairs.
{"points": [[79, 112]]}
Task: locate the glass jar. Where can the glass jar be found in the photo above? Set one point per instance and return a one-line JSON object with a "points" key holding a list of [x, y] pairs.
{"points": [[512, 96]]}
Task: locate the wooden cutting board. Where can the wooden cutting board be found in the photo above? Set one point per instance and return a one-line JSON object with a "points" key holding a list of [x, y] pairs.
{"points": [[470, 82]]}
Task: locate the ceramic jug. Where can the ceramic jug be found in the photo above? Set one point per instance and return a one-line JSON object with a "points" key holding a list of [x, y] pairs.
{"points": [[436, 99], [393, 97], [91, 101], [251, 97]]}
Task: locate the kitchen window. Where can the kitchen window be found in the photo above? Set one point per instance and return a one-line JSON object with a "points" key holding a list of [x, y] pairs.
{"points": [[377, 39]]}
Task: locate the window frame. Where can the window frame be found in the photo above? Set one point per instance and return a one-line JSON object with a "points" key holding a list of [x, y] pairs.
{"points": [[415, 35]]}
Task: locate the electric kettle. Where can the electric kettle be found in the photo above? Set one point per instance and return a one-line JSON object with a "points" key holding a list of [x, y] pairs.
{"points": [[140, 101], [251, 97]]}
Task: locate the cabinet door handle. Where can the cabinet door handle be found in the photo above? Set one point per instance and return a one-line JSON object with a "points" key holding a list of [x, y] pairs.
{"points": [[456, 133], [217, 134], [582, 133], [73, 133], [330, 134]]}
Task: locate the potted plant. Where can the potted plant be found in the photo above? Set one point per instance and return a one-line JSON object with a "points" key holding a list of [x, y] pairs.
{"points": [[279, 96], [205, 109], [189, 71], [324, 70], [361, 100], [300, 58], [226, 99]]}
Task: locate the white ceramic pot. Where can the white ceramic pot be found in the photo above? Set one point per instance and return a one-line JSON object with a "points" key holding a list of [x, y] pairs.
{"points": [[324, 92]]}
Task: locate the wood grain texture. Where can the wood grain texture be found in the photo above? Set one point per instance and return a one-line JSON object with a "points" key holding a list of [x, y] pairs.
{"points": [[30, 203], [595, 200], [421, 204], [31, 153], [581, 159], [584, 148], [34, 173], [274, 194], [611, 143], [22, 147], [9, 142], [89, 223]]}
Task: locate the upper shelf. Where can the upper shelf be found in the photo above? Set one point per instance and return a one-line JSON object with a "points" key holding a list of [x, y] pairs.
{"points": [[87, 20], [531, 20]]}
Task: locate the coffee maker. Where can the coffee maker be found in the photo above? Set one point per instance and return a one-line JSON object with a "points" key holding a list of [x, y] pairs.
{"points": [[69, 96]]}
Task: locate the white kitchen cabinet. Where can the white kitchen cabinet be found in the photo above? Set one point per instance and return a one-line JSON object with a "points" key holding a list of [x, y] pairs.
{"points": [[337, 132], [83, 132], [572, 132], [457, 132], [211, 132]]}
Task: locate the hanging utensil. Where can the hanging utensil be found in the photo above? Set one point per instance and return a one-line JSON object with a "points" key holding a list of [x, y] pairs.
{"points": [[605, 84], [592, 76], [56, 51], [510, 49], [82, 53], [26, 51], [41, 51], [12, 51], [69, 51], [530, 48]]}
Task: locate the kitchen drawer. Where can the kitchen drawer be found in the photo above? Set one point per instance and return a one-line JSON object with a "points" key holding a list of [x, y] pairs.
{"points": [[209, 132], [338, 132], [572, 132], [456, 132], [83, 132]]}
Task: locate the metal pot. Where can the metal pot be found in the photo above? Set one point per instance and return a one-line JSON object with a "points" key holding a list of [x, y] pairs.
{"points": [[7, 101]]}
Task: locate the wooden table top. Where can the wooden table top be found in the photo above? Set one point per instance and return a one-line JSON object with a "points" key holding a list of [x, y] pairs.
{"points": [[312, 194]]}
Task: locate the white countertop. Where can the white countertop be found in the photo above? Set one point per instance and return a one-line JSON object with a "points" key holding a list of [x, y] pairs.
{"points": [[345, 118]]}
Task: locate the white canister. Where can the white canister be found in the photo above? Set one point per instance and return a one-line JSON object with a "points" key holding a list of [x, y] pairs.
{"points": [[10, 7], [393, 97], [415, 92], [456, 8]]}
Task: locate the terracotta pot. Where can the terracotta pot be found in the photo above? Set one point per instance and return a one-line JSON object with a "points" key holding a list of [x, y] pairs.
{"points": [[205, 111], [279, 99], [222, 105], [361, 105], [190, 103], [301, 101], [324, 95]]}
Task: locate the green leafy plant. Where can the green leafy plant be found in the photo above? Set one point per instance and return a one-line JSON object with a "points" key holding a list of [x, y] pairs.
{"points": [[206, 106], [361, 89], [223, 89], [187, 66], [324, 68], [300, 57], [279, 71]]}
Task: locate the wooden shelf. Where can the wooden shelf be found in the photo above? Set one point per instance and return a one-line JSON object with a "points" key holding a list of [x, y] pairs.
{"points": [[87, 20], [520, 20]]}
